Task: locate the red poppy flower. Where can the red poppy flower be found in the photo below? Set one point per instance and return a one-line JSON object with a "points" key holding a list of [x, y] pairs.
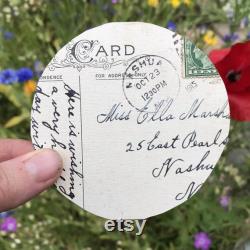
{"points": [[233, 65]]}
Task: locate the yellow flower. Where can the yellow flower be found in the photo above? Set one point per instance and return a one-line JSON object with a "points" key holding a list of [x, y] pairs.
{"points": [[175, 3], [187, 2], [29, 87], [153, 3], [210, 39]]}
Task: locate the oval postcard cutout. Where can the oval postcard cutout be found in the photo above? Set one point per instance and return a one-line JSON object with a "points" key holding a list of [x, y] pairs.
{"points": [[139, 115]]}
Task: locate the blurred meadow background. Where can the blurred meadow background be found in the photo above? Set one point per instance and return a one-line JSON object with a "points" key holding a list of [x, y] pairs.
{"points": [[31, 32]]}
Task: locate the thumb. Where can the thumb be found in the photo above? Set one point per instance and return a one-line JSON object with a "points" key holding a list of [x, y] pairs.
{"points": [[26, 176]]}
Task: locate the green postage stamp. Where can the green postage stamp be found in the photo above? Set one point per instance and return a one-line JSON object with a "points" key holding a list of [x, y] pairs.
{"points": [[196, 63]]}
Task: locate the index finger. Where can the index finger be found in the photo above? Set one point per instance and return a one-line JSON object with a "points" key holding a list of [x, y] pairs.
{"points": [[11, 148]]}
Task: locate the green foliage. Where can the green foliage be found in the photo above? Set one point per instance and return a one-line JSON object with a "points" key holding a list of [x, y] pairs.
{"points": [[51, 222], [14, 122]]}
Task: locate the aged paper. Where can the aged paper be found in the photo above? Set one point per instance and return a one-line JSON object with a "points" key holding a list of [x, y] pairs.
{"points": [[139, 115]]}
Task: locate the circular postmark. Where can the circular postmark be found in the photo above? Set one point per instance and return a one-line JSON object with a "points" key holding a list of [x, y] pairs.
{"points": [[150, 80]]}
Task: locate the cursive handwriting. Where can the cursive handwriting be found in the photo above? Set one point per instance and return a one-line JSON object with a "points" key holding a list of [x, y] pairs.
{"points": [[56, 115], [114, 114], [161, 112], [180, 169], [73, 96], [153, 143], [195, 111], [191, 141], [189, 192], [188, 141], [34, 133], [37, 99], [157, 172]]}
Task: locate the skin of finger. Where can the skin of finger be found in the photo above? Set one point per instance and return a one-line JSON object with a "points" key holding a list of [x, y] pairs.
{"points": [[11, 148], [17, 186]]}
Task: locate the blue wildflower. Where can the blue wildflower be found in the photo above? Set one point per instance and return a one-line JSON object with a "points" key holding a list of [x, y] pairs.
{"points": [[231, 37], [8, 76], [24, 74], [171, 26], [248, 35], [244, 22], [38, 68], [7, 35], [6, 214]]}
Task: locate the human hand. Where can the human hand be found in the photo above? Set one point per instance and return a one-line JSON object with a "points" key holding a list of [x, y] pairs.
{"points": [[24, 173]]}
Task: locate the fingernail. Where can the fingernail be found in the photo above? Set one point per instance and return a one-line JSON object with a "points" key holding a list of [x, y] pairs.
{"points": [[44, 165]]}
